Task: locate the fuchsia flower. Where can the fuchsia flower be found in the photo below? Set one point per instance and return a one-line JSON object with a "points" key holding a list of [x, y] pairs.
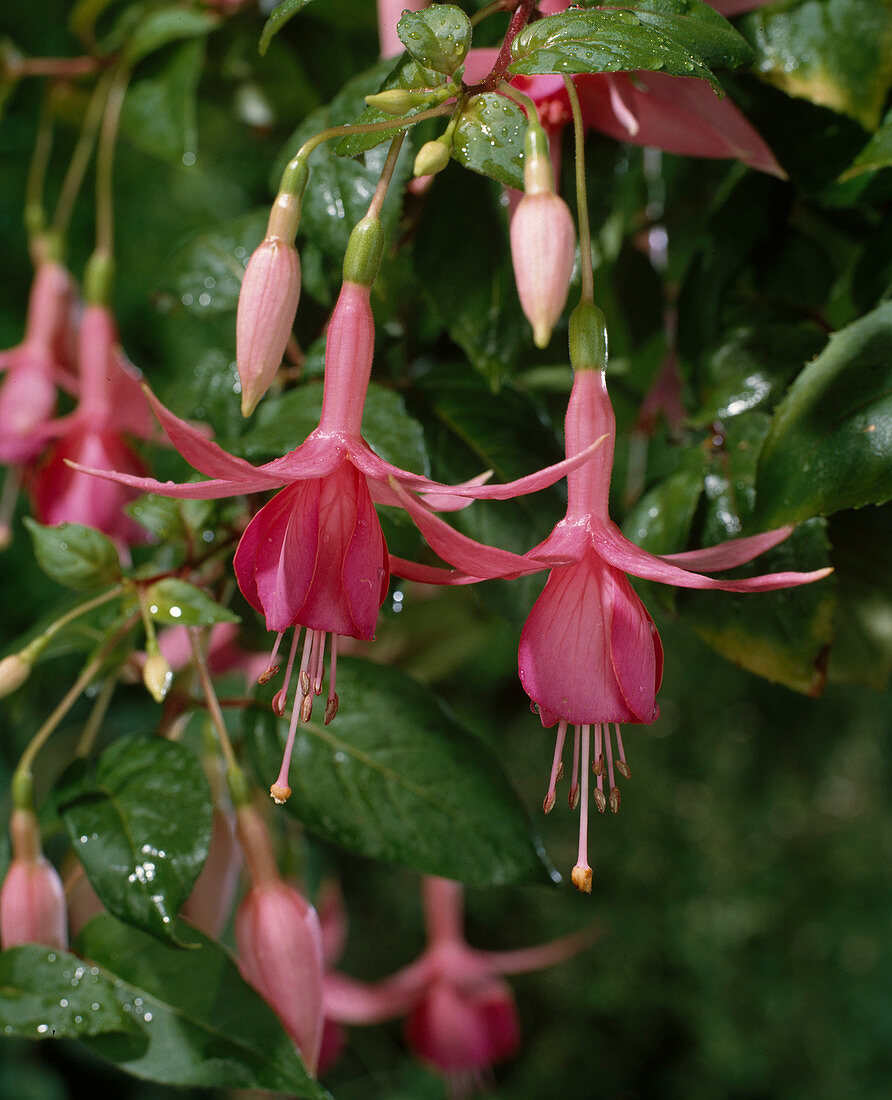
{"points": [[32, 900], [110, 405], [389, 14], [315, 555], [590, 655], [460, 1014]]}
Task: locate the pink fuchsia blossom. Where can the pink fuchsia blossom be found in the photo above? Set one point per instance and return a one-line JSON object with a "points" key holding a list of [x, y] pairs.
{"points": [[590, 656], [460, 1015], [389, 14], [111, 406], [279, 942], [315, 557], [32, 899]]}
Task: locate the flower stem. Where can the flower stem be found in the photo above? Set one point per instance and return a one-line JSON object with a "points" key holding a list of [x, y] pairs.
{"points": [[35, 217], [105, 155], [97, 714], [519, 20], [367, 128], [491, 9], [38, 644], [71, 696], [585, 235], [393, 153], [213, 704], [80, 158]]}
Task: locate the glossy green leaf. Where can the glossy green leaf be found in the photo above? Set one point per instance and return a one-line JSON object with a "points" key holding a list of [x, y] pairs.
{"points": [[830, 443], [397, 777], [48, 994], [206, 273], [139, 820], [836, 53], [436, 37], [74, 555], [169, 519], [159, 111], [677, 37], [488, 138], [200, 1025], [282, 422], [407, 74], [876, 154], [165, 25], [174, 601], [277, 19]]}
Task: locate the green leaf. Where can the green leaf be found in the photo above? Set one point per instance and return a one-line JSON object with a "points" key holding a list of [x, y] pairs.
{"points": [[397, 777], [48, 994], [488, 138], [278, 17], [165, 25], [175, 601], [281, 423], [139, 819], [74, 555], [201, 1025], [830, 443], [836, 53], [677, 37], [206, 273], [437, 37], [169, 519], [407, 74], [158, 115], [877, 153]]}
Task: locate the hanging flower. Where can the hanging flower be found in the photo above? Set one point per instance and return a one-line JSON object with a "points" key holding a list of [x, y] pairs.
{"points": [[32, 900], [590, 656]]}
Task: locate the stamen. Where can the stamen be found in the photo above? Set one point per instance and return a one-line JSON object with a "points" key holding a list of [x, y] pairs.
{"points": [[281, 696], [309, 637], [608, 745], [582, 873], [573, 796], [598, 769], [280, 791], [331, 707], [320, 665], [621, 766], [557, 767], [624, 114], [272, 668]]}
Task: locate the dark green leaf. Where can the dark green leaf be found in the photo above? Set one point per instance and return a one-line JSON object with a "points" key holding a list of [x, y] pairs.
{"points": [[206, 273], [200, 1025], [836, 53], [406, 74], [48, 994], [437, 37], [830, 443], [139, 819], [278, 17], [159, 110], [165, 25], [488, 138], [397, 777], [169, 519], [678, 37], [75, 556], [175, 601], [283, 422], [876, 154]]}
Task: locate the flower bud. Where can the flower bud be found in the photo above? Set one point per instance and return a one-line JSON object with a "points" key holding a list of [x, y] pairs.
{"points": [[399, 101], [543, 247], [280, 954], [267, 305], [432, 157], [32, 900], [157, 676], [14, 671]]}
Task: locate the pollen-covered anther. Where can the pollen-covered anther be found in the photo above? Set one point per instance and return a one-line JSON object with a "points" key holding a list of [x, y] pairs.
{"points": [[623, 768], [573, 796], [267, 674], [279, 702], [548, 802], [614, 800], [560, 772], [582, 879], [598, 764], [600, 800], [331, 709], [279, 793], [304, 682], [306, 708]]}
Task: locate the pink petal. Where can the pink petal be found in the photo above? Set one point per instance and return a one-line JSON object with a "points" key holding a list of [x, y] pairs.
{"points": [[728, 555], [632, 650], [352, 1002], [193, 490], [320, 454], [625, 555]]}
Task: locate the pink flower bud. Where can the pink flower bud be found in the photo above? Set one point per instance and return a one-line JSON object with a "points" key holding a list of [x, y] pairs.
{"points": [[543, 246], [280, 955], [32, 900], [210, 903], [266, 308], [82, 900]]}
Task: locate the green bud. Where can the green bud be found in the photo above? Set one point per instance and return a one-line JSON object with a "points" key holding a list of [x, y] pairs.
{"points": [[432, 157], [588, 338], [14, 671], [364, 251], [398, 101], [98, 278]]}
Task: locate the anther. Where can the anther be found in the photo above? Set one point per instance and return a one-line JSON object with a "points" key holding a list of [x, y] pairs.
{"points": [[623, 768], [598, 764], [306, 708], [615, 800], [331, 709], [304, 682], [573, 797], [267, 674], [600, 801], [279, 701], [548, 802]]}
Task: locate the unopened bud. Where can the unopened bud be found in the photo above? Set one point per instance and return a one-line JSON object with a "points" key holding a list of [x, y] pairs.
{"points": [[398, 101], [543, 247], [14, 671], [582, 878], [588, 338], [267, 305], [32, 900], [157, 676], [432, 157], [279, 794]]}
